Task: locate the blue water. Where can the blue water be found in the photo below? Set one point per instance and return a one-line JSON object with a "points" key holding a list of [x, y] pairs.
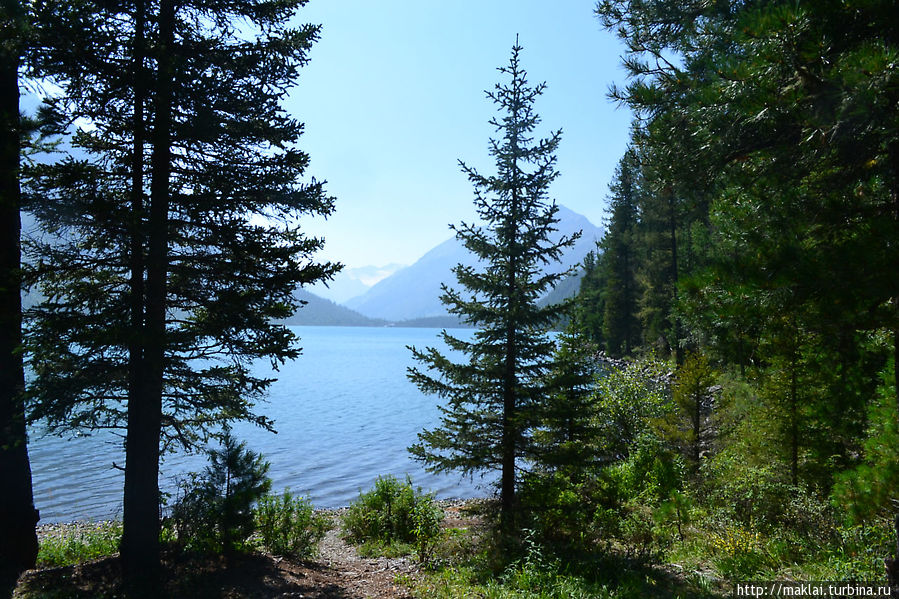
{"points": [[344, 411]]}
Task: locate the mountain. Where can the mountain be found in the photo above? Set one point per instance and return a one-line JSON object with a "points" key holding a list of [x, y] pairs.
{"points": [[351, 282], [566, 288], [321, 312], [414, 292]]}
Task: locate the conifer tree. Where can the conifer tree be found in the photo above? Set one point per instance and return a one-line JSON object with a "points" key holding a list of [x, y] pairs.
{"points": [[589, 306], [621, 329], [174, 247], [18, 540], [494, 398], [689, 427], [566, 438]]}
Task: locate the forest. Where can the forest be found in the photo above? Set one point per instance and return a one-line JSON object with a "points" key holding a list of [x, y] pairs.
{"points": [[721, 407]]}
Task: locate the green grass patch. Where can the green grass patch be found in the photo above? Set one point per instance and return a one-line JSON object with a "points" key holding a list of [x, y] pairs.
{"points": [[79, 544]]}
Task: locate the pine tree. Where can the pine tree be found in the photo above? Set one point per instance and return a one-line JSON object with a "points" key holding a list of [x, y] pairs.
{"points": [[689, 425], [495, 397], [621, 329], [566, 438], [18, 548], [174, 247], [589, 305]]}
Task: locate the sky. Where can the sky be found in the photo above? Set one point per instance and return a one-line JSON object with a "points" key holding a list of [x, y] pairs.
{"points": [[393, 97]]}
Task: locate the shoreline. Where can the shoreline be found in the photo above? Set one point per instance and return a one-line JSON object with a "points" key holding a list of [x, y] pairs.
{"points": [[73, 528]]}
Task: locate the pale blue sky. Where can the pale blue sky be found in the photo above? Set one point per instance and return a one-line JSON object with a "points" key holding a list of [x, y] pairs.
{"points": [[393, 97]]}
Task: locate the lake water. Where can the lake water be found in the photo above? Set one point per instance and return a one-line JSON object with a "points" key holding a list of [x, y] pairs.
{"points": [[344, 411]]}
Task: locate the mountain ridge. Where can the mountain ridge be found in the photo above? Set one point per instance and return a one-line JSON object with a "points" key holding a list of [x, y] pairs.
{"points": [[413, 292]]}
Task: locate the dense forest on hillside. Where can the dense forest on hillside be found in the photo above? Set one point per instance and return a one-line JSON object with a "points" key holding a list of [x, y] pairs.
{"points": [[723, 405]]}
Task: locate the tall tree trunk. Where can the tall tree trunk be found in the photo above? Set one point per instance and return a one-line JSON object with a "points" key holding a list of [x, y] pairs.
{"points": [[136, 232], [140, 538], [510, 424], [697, 422], [672, 230], [18, 540], [794, 418]]}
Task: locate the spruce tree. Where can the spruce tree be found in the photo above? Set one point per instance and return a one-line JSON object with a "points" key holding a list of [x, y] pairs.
{"points": [[495, 397], [566, 437], [171, 250], [590, 304], [621, 328], [18, 540]]}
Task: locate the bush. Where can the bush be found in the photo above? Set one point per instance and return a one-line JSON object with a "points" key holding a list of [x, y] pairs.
{"points": [[214, 510], [394, 512], [288, 526], [559, 509], [740, 554]]}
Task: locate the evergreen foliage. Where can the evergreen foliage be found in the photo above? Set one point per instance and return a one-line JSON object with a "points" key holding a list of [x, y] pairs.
{"points": [[170, 250], [767, 219], [567, 432], [18, 517], [589, 308], [621, 329], [494, 399], [215, 509], [693, 400]]}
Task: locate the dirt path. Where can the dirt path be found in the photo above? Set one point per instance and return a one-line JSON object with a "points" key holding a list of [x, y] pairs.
{"points": [[356, 576], [336, 572]]}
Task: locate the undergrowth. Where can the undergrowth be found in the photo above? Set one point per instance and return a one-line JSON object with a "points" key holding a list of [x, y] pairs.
{"points": [[79, 545]]}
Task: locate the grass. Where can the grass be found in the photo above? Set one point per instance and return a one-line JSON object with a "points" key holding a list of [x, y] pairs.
{"points": [[78, 545], [468, 567]]}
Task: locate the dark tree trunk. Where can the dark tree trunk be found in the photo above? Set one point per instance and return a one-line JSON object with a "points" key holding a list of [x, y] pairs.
{"points": [[136, 232], [510, 425], [794, 421], [672, 226], [140, 538], [18, 541]]}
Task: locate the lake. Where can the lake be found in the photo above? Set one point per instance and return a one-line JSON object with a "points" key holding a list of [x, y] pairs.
{"points": [[344, 411]]}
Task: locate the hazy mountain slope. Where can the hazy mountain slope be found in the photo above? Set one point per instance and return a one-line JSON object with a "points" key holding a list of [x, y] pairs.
{"points": [[352, 282], [414, 292], [567, 287], [321, 312]]}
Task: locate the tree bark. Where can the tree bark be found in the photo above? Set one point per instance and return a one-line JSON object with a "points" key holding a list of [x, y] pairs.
{"points": [[672, 230], [140, 535], [18, 540]]}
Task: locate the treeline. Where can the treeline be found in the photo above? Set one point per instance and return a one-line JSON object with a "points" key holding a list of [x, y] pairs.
{"points": [[753, 238], [755, 218]]}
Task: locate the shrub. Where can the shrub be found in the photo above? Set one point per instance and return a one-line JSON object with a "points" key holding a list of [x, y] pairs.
{"points": [[740, 554], [392, 512], [288, 526], [214, 510], [559, 509]]}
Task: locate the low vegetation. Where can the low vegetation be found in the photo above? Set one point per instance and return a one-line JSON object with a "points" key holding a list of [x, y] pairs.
{"points": [[288, 526], [652, 519], [394, 518], [69, 545]]}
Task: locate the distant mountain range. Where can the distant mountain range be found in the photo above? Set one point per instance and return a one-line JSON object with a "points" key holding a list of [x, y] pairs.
{"points": [[414, 292], [352, 282], [318, 311]]}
